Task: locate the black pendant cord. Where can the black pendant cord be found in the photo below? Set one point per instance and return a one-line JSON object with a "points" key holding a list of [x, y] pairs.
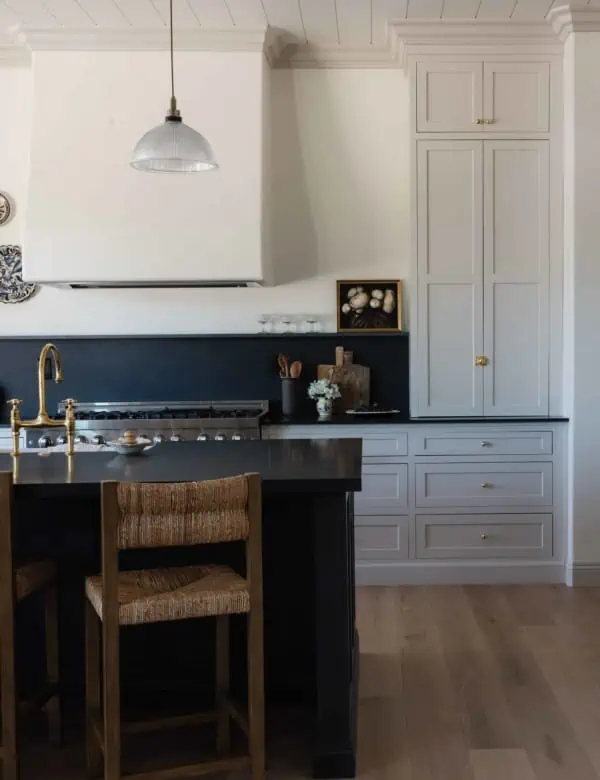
{"points": [[172, 65]]}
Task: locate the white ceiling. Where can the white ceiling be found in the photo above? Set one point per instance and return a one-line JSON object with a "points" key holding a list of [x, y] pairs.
{"points": [[348, 23]]}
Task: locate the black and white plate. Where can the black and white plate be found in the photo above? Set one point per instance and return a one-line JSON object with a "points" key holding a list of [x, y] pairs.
{"points": [[12, 287]]}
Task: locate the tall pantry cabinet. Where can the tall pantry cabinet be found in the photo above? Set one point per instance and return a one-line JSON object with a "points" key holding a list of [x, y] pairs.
{"points": [[487, 205]]}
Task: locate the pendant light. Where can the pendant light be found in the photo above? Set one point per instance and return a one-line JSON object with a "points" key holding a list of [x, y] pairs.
{"points": [[173, 147]]}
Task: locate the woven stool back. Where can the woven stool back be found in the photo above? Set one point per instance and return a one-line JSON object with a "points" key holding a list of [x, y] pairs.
{"points": [[183, 513]]}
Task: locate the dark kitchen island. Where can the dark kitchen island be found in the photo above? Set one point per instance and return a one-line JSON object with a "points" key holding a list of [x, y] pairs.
{"points": [[311, 648]]}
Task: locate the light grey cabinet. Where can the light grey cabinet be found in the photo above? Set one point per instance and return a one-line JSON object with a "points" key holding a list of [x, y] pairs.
{"points": [[483, 484], [484, 536], [483, 270], [384, 489], [455, 503]]}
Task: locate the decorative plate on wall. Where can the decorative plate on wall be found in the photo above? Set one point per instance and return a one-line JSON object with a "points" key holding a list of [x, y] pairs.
{"points": [[12, 287], [5, 208]]}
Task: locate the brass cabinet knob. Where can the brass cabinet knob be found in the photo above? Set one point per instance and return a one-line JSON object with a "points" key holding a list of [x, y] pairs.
{"points": [[478, 121], [484, 444], [488, 121], [483, 536], [485, 485], [481, 360]]}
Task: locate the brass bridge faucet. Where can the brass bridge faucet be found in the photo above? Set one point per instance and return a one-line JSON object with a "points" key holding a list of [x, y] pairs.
{"points": [[43, 420]]}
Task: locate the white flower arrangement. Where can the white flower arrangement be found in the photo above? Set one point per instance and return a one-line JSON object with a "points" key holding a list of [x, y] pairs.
{"points": [[323, 388]]}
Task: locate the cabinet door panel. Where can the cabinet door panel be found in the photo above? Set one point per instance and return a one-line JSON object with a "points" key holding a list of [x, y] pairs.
{"points": [[381, 538], [450, 264], [449, 97], [516, 97], [384, 490], [516, 277]]}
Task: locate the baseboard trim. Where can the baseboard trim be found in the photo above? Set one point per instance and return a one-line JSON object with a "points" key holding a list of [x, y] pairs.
{"points": [[583, 574], [464, 573]]}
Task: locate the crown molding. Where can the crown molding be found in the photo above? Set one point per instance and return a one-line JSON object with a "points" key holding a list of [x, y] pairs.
{"points": [[576, 18], [414, 37], [301, 56], [263, 40], [12, 54]]}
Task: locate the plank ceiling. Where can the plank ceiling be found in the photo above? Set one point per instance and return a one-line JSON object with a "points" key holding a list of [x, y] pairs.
{"points": [[348, 23]]}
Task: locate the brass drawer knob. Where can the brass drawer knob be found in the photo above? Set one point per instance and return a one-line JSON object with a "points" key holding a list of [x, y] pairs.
{"points": [[483, 536], [488, 121], [485, 485], [478, 121], [484, 444], [481, 360]]}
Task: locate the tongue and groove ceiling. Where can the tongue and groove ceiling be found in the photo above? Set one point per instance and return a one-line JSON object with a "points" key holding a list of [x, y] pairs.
{"points": [[346, 23]]}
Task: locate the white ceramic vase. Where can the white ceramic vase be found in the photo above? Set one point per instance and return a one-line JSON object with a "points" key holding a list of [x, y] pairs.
{"points": [[324, 407]]}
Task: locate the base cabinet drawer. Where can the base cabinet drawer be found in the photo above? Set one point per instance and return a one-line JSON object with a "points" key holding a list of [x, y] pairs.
{"points": [[484, 536], [381, 538], [384, 490], [483, 484], [509, 443]]}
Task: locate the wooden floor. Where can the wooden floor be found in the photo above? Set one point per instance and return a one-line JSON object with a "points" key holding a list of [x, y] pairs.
{"points": [[462, 683]]}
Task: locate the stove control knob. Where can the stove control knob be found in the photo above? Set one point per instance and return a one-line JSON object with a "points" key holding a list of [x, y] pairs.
{"points": [[237, 437], [98, 439], [44, 441], [61, 439], [219, 437], [176, 437], [80, 439], [158, 438], [203, 437]]}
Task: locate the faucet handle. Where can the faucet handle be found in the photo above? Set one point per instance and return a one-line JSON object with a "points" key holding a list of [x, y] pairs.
{"points": [[69, 403], [14, 402]]}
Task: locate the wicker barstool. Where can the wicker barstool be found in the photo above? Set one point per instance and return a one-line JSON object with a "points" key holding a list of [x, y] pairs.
{"points": [[15, 586], [143, 515]]}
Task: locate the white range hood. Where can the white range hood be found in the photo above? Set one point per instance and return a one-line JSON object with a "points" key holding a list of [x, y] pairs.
{"points": [[93, 221]]}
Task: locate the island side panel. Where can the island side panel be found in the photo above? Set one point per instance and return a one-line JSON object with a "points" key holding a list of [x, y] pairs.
{"points": [[336, 647]]}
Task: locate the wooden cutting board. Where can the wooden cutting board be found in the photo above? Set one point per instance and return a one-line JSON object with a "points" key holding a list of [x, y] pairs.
{"points": [[353, 380]]}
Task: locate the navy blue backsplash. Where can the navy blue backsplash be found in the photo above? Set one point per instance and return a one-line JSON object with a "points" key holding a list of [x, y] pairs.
{"points": [[192, 368]]}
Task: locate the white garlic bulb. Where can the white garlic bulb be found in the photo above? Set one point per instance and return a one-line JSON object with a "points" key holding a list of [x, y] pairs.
{"points": [[374, 303], [377, 294], [389, 301], [346, 308], [359, 301]]}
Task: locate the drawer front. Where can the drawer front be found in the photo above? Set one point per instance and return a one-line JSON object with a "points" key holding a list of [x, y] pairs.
{"points": [[484, 536], [385, 446], [384, 490], [377, 443], [483, 484], [510, 443], [381, 538]]}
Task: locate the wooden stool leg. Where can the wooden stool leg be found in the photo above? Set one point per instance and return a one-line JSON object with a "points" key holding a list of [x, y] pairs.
{"points": [[8, 697], [222, 677], [256, 693], [53, 706], [92, 689], [112, 702]]}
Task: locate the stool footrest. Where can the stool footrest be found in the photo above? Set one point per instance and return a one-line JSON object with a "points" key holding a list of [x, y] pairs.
{"points": [[237, 714], [194, 770], [172, 722]]}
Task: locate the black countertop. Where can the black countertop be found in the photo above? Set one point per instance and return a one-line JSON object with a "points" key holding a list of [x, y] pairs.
{"points": [[306, 466], [399, 419]]}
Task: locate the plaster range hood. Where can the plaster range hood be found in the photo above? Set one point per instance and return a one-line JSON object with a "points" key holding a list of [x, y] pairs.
{"points": [[92, 221]]}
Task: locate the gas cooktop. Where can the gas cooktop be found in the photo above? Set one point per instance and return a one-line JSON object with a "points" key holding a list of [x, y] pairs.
{"points": [[99, 423]]}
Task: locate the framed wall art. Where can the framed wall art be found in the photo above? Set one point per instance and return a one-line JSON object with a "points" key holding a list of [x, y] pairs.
{"points": [[374, 305]]}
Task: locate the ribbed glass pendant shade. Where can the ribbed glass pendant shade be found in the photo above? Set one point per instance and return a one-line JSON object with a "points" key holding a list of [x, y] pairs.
{"points": [[173, 147]]}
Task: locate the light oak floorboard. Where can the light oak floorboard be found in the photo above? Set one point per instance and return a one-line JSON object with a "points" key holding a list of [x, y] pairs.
{"points": [[456, 683], [501, 765]]}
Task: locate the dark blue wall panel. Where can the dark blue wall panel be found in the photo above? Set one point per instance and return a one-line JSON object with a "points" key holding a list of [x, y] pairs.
{"points": [[195, 367]]}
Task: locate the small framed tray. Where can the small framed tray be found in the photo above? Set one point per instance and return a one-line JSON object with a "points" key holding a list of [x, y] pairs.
{"points": [[372, 412]]}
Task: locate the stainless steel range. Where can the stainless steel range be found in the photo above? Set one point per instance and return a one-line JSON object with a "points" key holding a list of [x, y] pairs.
{"points": [[99, 423]]}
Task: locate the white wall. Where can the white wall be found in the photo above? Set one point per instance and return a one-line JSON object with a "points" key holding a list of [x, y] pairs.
{"points": [[340, 189], [582, 289]]}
